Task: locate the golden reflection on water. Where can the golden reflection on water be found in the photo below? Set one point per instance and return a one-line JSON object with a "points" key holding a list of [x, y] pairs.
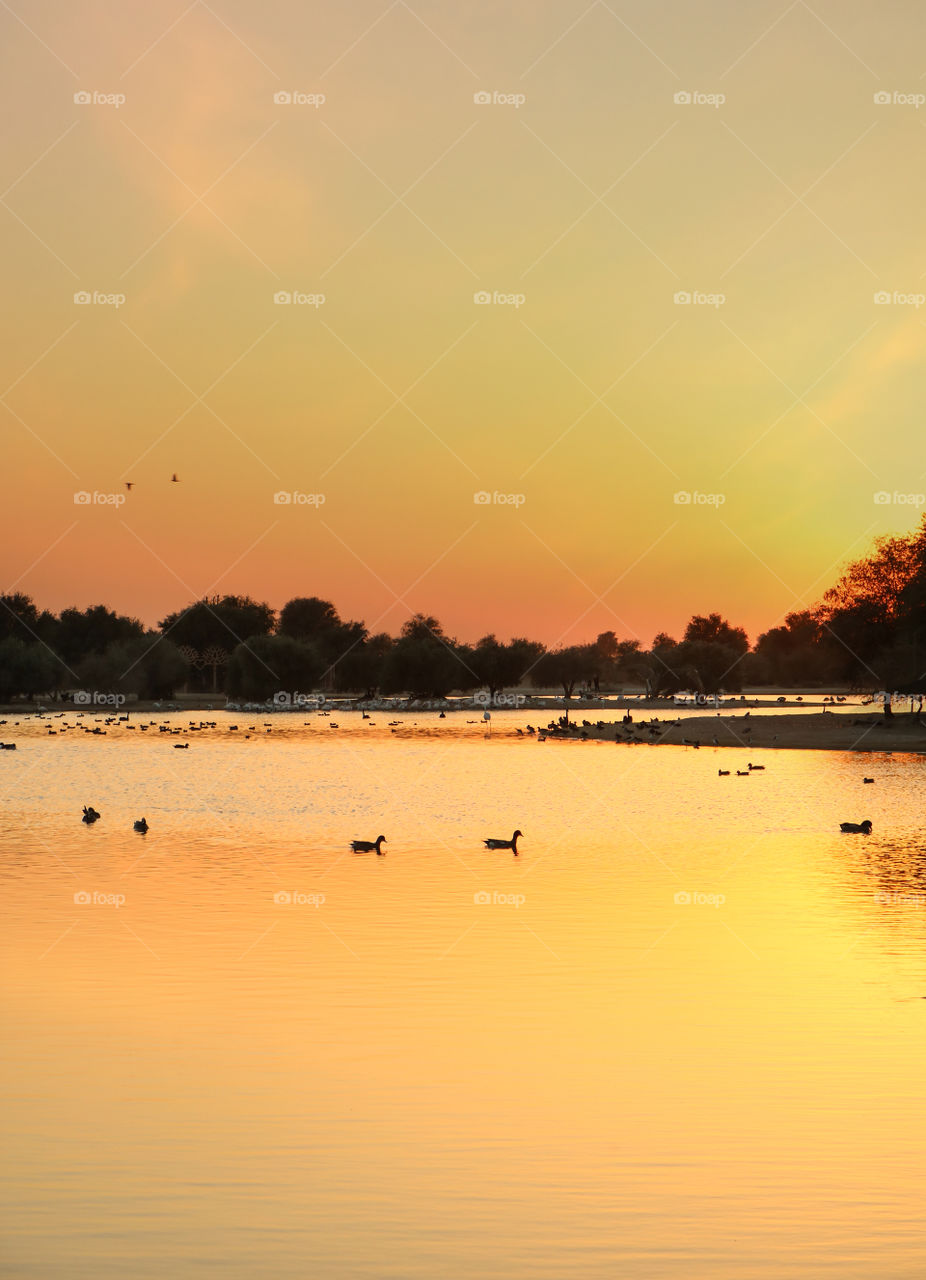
{"points": [[450, 1062]]}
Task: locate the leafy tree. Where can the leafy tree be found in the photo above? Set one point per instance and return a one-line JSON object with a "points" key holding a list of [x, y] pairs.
{"points": [[267, 665], [499, 666], [25, 669], [566, 667], [317, 621], [81, 633], [362, 666], [426, 663], [208, 630]]}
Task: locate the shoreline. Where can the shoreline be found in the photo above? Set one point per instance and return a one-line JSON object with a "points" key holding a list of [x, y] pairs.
{"points": [[829, 731]]}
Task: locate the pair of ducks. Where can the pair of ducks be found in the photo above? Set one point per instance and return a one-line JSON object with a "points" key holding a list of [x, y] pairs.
{"points": [[374, 846], [91, 815]]}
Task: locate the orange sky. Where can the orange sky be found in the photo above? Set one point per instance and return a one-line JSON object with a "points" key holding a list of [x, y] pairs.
{"points": [[582, 198]]}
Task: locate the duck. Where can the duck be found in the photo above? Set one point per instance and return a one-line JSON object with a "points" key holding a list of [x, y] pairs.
{"points": [[368, 846], [754, 767], [90, 815], [723, 773], [856, 828], [868, 779], [511, 844], [141, 825], [742, 773]]}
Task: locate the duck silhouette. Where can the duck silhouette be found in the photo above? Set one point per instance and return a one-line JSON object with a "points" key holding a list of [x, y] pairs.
{"points": [[90, 815], [856, 828], [511, 844], [368, 846], [141, 825]]}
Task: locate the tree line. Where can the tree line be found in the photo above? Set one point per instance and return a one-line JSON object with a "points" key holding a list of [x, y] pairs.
{"points": [[867, 632]]}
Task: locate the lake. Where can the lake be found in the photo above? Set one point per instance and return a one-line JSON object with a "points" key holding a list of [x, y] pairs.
{"points": [[682, 1035]]}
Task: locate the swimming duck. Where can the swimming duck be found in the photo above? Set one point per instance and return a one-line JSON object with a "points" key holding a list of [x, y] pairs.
{"points": [[368, 846], [723, 773], [141, 825], [857, 828], [511, 844], [90, 814]]}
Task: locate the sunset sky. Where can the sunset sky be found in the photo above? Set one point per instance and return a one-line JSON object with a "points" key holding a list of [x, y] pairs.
{"points": [[785, 196]]}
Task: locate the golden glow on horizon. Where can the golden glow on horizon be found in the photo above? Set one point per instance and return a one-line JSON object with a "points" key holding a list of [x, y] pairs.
{"points": [[598, 398]]}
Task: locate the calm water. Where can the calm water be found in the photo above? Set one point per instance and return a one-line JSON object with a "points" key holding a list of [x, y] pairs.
{"points": [[387, 1075]]}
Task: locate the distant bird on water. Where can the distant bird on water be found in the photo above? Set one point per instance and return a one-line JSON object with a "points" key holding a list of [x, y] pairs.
{"points": [[90, 814], [129, 485], [368, 846], [141, 825], [511, 844], [856, 828], [175, 479]]}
